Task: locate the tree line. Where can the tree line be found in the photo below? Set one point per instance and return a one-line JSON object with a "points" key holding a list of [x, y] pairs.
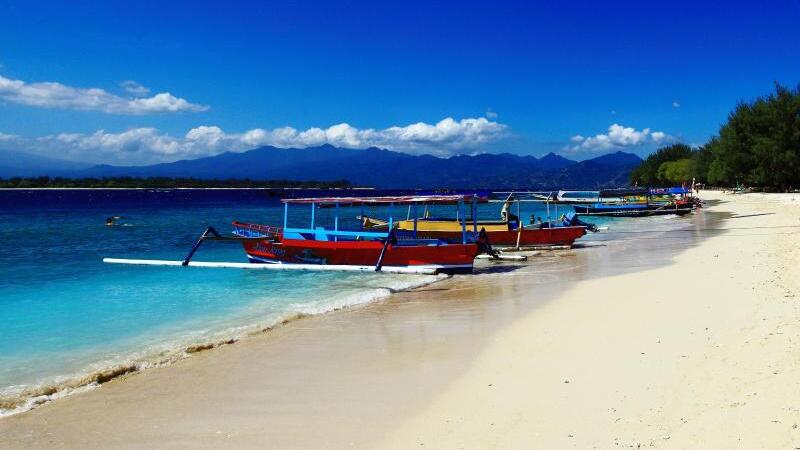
{"points": [[758, 145], [164, 182]]}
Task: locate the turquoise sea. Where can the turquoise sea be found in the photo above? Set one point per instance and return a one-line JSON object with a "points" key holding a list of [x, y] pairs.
{"points": [[65, 315]]}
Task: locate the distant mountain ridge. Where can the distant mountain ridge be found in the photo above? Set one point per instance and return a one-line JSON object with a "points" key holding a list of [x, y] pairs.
{"points": [[388, 169], [19, 164]]}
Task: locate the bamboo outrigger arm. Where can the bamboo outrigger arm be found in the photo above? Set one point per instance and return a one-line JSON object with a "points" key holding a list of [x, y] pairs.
{"points": [[211, 234]]}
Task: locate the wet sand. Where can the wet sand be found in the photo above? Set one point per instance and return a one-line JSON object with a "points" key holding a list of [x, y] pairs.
{"points": [[483, 361]]}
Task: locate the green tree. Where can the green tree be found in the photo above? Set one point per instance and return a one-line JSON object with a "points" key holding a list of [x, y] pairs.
{"points": [[760, 143], [702, 158], [677, 172], [646, 174]]}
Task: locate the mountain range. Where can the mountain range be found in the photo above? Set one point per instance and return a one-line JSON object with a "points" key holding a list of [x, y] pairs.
{"points": [[370, 167], [19, 164]]}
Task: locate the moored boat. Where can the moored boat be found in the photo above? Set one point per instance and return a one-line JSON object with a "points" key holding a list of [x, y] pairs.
{"points": [[500, 234], [360, 247], [507, 232], [575, 197], [633, 210], [636, 202]]}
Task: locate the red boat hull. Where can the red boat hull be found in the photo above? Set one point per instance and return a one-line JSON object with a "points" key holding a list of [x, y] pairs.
{"points": [[450, 258], [538, 237]]}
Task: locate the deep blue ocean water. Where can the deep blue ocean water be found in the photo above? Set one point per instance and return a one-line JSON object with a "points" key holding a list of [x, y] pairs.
{"points": [[65, 314]]}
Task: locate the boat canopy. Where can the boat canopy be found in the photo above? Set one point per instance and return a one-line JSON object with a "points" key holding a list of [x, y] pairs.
{"points": [[462, 201], [401, 199]]}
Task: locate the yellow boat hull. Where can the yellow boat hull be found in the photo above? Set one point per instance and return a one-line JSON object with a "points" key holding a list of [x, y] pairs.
{"points": [[424, 225]]}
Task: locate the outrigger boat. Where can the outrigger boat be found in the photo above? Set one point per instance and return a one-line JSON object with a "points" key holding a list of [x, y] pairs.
{"points": [[509, 231], [321, 248], [637, 202], [679, 195], [573, 197], [382, 249]]}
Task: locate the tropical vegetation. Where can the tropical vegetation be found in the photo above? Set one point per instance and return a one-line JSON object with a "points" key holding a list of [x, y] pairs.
{"points": [[758, 145]]}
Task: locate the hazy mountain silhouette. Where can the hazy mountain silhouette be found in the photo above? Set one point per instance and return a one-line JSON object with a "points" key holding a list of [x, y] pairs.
{"points": [[19, 164], [387, 169]]}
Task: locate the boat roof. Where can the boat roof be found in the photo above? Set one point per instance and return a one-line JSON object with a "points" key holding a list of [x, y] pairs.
{"points": [[401, 199]]}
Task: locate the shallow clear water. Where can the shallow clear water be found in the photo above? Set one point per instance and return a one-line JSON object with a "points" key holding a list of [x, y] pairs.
{"points": [[64, 313]]}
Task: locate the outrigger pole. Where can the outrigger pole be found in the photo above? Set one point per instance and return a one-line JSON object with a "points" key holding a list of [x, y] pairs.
{"points": [[209, 230], [386, 244], [276, 266], [211, 234]]}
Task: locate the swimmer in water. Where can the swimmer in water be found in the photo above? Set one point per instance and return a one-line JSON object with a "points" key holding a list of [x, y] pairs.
{"points": [[112, 221]]}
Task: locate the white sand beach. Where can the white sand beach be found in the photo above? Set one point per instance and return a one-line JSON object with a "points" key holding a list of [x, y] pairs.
{"points": [[703, 353], [685, 341]]}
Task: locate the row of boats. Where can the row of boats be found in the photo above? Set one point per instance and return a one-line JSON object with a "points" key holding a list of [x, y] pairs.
{"points": [[636, 202], [425, 243]]}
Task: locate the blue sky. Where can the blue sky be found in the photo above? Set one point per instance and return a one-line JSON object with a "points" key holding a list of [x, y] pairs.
{"points": [[525, 77]]}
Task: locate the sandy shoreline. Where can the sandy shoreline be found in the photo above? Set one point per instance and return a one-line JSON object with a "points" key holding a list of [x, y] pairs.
{"points": [[703, 353], [664, 344]]}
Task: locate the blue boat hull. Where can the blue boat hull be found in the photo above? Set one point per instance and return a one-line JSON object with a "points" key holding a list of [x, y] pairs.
{"points": [[632, 210]]}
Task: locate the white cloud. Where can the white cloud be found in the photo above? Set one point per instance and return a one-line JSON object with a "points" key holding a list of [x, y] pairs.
{"points": [[7, 137], [126, 146], [618, 137], [134, 88], [446, 137], [491, 114], [56, 95], [147, 145], [659, 136], [675, 104]]}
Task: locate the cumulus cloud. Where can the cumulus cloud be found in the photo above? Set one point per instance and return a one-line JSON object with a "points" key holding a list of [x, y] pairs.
{"points": [[448, 136], [56, 95], [137, 140], [146, 145], [7, 137], [492, 115], [134, 88], [617, 137]]}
